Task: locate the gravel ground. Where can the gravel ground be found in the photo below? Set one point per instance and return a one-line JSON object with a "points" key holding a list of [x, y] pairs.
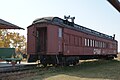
{"points": [[17, 75]]}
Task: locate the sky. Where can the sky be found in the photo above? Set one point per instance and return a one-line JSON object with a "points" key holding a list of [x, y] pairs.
{"points": [[98, 15]]}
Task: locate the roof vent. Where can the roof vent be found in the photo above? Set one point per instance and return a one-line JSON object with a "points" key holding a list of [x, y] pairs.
{"points": [[68, 17]]}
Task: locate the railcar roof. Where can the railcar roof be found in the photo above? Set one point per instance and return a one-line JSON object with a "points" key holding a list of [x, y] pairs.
{"points": [[59, 21]]}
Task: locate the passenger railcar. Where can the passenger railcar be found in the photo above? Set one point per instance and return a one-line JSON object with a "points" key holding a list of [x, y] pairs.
{"points": [[53, 40]]}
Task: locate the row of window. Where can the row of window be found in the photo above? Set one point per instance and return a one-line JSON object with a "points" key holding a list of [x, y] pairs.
{"points": [[99, 44], [73, 40], [95, 43]]}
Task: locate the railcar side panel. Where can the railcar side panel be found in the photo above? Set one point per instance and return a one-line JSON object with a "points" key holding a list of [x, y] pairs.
{"points": [[52, 40], [60, 40], [88, 44], [72, 42], [31, 40], [56, 41]]}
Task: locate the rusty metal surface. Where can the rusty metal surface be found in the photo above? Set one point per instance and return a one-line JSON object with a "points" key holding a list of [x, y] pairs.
{"points": [[31, 38], [71, 43], [52, 39]]}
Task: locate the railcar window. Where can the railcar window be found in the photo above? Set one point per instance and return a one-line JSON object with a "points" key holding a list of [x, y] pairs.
{"points": [[60, 32], [80, 43], [71, 40], [96, 43], [76, 41], [101, 44], [115, 45], [105, 45], [37, 33], [66, 39], [88, 42], [91, 42], [110, 45], [85, 42]]}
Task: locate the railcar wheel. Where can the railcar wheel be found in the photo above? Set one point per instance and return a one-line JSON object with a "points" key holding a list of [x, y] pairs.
{"points": [[74, 63], [67, 64], [44, 65], [109, 58]]}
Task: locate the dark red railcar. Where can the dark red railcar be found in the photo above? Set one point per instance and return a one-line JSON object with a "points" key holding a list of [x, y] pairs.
{"points": [[53, 40]]}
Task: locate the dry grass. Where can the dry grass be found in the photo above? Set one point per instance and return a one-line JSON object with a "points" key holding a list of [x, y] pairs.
{"points": [[86, 70]]}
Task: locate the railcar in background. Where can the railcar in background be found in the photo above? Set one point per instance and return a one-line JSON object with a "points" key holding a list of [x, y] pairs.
{"points": [[53, 40]]}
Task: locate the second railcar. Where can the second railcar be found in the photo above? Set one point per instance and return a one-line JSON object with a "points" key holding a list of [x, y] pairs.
{"points": [[53, 40]]}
